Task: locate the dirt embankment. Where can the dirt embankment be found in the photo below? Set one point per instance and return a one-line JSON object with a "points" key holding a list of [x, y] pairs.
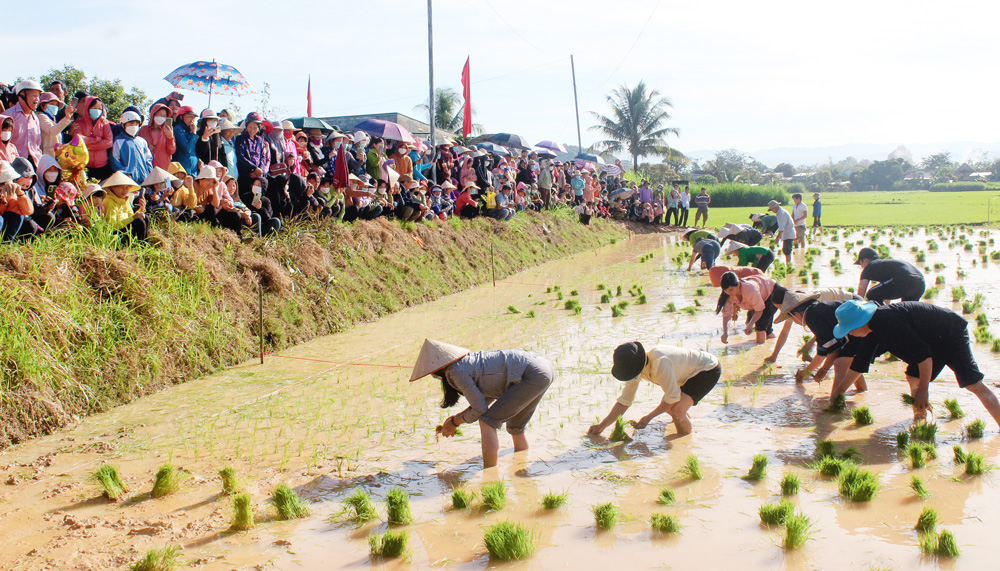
{"points": [[87, 326]]}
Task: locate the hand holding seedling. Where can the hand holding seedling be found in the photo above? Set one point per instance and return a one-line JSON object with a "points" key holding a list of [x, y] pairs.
{"points": [[449, 427], [595, 430], [639, 424]]}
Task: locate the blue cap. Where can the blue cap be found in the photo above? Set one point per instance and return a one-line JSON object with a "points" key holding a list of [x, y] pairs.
{"points": [[851, 315]]}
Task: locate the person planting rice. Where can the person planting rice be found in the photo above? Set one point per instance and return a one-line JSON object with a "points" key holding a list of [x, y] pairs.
{"points": [[756, 256], [693, 236], [750, 293], [786, 229], [685, 376], [896, 279], [512, 380], [926, 337], [715, 274], [707, 250], [766, 223], [742, 233]]}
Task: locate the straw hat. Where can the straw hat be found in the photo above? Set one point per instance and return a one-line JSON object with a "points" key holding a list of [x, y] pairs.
{"points": [[470, 185], [435, 355], [120, 179], [446, 185], [287, 125], [207, 172], [91, 190], [158, 176], [228, 125], [733, 246], [792, 300], [728, 229]]}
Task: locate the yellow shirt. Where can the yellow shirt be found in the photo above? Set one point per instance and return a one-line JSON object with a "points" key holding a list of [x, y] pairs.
{"points": [[669, 367], [185, 197]]}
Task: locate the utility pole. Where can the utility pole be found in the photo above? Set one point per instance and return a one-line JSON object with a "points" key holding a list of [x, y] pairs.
{"points": [[430, 73], [576, 103]]}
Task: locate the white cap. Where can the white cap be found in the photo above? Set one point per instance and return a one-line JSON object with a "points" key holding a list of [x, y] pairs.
{"points": [[130, 116]]}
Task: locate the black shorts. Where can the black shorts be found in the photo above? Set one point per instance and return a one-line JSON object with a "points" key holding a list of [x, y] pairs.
{"points": [[764, 262], [955, 352], [901, 289], [766, 321], [701, 384], [786, 246]]}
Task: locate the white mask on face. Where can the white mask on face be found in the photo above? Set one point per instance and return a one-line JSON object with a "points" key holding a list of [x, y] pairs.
{"points": [[336, 144], [132, 130], [6, 135], [159, 120], [212, 124], [51, 177]]}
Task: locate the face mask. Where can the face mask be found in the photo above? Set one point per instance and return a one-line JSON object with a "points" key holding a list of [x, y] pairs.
{"points": [[337, 144], [6, 135], [316, 141], [132, 130], [95, 114], [159, 120], [52, 109], [212, 124], [324, 190], [51, 177]]}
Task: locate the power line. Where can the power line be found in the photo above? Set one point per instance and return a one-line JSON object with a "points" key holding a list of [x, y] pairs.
{"points": [[511, 28], [629, 52]]}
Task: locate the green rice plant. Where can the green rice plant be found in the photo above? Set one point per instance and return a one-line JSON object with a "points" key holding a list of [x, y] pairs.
{"points": [[917, 456], [907, 399], [776, 514], [838, 405], [398, 507], [983, 335], [168, 480], [699, 292], [606, 298], [242, 512], [288, 503], [697, 302], [531, 314], [947, 546], [666, 497], [159, 559], [111, 482], [902, 440], [690, 310], [605, 515], [571, 304], [921, 257], [957, 293], [559, 296], [462, 498], [926, 431], [642, 300], [670, 308], [790, 483], [616, 311], [511, 309], [831, 466], [552, 500], [758, 470], [858, 485], [975, 464], [600, 287], [960, 455], [574, 292], [618, 292], [954, 408], [798, 530], [623, 304], [389, 545], [507, 541], [229, 484], [982, 320], [851, 454], [664, 523], [918, 487], [825, 448], [862, 416], [931, 293], [975, 429], [928, 520], [361, 504], [995, 347], [930, 451], [691, 467], [494, 495], [618, 434]]}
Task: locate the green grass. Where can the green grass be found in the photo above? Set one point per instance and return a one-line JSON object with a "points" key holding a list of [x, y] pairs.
{"points": [[939, 545], [159, 559], [975, 464], [960, 455], [507, 541], [288, 503], [975, 429], [511, 309], [954, 409], [605, 515], [664, 523], [618, 433], [461, 498], [168, 480], [242, 512], [230, 485], [924, 431], [690, 310], [831, 466], [798, 529], [552, 500], [775, 514], [494, 495], [110, 481], [758, 470], [838, 405], [390, 544], [691, 468], [825, 448], [858, 485], [398, 507], [918, 487], [790, 484], [907, 399], [915, 452], [928, 520], [862, 416], [902, 440], [361, 507], [666, 497]]}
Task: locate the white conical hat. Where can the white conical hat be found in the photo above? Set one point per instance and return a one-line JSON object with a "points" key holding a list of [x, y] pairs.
{"points": [[119, 178], [734, 245], [435, 355], [158, 176], [792, 300]]}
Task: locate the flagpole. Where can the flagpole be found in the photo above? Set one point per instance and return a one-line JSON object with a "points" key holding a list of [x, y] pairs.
{"points": [[576, 103], [430, 73]]}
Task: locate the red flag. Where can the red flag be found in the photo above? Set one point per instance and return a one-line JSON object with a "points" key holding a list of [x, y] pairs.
{"points": [[309, 97], [467, 94]]}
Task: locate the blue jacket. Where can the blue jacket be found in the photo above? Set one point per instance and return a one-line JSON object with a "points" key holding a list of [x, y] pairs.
{"points": [[132, 156], [185, 155]]}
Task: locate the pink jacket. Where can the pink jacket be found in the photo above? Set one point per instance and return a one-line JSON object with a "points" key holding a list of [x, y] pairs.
{"points": [[96, 134], [755, 292], [162, 146]]}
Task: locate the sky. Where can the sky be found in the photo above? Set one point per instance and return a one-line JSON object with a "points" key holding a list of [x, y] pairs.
{"points": [[741, 75]]}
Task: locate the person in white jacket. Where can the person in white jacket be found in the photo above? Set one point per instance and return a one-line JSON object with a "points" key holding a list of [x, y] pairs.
{"points": [[786, 229]]}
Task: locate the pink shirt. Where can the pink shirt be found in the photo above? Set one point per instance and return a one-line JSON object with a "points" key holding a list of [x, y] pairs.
{"points": [[27, 135], [755, 291]]}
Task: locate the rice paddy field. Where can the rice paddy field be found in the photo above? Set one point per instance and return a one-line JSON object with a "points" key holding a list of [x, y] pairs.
{"points": [[326, 458]]}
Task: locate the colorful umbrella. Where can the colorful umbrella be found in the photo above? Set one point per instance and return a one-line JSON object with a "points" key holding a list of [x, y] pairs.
{"points": [[310, 123], [385, 129], [552, 146], [509, 140], [545, 152], [210, 77]]}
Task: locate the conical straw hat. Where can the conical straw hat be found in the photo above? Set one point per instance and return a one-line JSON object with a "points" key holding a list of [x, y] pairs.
{"points": [[733, 246], [157, 176], [435, 355], [792, 300], [120, 179]]}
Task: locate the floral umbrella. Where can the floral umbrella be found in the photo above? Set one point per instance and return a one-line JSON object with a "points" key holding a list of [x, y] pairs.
{"points": [[211, 78]]}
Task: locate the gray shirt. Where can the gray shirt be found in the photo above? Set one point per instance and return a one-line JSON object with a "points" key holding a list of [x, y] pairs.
{"points": [[482, 377]]}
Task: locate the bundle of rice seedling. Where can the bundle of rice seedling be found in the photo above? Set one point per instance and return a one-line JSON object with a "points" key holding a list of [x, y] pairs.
{"points": [[508, 541], [288, 503]]}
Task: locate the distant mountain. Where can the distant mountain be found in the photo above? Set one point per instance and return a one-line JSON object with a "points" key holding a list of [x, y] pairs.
{"points": [[961, 151]]}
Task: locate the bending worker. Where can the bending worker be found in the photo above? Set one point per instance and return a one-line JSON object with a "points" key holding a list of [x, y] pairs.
{"points": [[752, 294], [512, 380], [926, 337], [685, 376], [896, 279], [707, 250], [791, 301], [756, 256], [742, 233]]}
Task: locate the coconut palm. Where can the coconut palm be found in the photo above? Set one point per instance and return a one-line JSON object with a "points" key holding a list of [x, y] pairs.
{"points": [[636, 124], [448, 112]]}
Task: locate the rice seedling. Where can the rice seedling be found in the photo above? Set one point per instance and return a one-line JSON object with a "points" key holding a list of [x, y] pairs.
{"points": [[361, 504], [825, 448], [462, 498], [790, 483], [858, 485], [930, 451], [691, 468], [618, 434], [983, 335], [670, 308], [862, 416], [918, 487], [168, 480], [975, 429], [389, 545], [957, 293], [664, 523], [975, 464], [606, 298], [605, 515], [600, 287], [960, 454], [618, 292], [852, 454], [531, 314], [923, 431], [111, 482], [511, 309], [798, 529], [947, 546], [831, 466], [697, 302], [288, 503], [494, 495], [699, 292], [995, 347], [642, 299], [776, 514], [242, 512], [982, 320], [616, 311], [758, 470], [552, 500], [571, 304], [928, 520], [931, 292], [159, 559], [229, 484], [690, 310], [559, 296], [838, 405], [574, 292], [916, 454], [398, 507], [907, 399], [507, 541], [666, 497]]}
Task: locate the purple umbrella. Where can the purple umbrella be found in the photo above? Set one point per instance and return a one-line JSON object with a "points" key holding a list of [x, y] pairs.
{"points": [[552, 146], [385, 129]]}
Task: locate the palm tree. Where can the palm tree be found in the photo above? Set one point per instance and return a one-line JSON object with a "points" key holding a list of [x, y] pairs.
{"points": [[448, 112], [636, 124]]}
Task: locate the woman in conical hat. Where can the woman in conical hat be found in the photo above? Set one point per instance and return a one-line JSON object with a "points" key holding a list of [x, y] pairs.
{"points": [[512, 379]]}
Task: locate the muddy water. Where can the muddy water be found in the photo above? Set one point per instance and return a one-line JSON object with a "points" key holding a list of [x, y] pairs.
{"points": [[337, 414]]}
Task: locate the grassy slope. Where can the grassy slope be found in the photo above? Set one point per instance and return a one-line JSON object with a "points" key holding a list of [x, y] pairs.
{"points": [[89, 325], [887, 208]]}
